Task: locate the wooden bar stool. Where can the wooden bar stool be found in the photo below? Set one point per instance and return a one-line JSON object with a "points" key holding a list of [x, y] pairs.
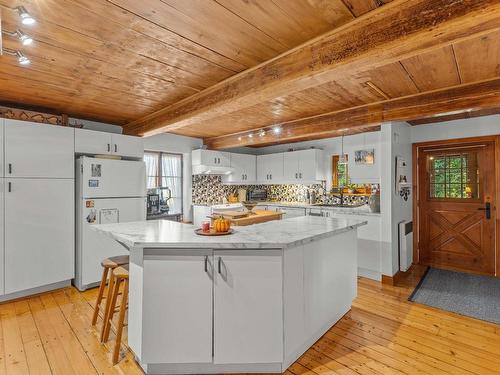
{"points": [[107, 265], [120, 280]]}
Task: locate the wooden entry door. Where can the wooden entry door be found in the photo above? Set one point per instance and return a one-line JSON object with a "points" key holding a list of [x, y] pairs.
{"points": [[456, 188]]}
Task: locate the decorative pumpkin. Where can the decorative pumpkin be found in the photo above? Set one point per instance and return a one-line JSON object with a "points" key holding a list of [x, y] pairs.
{"points": [[221, 224]]}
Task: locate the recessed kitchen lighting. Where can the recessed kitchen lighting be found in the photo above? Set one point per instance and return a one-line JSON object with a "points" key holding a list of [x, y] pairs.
{"points": [[26, 18], [262, 133], [250, 135], [277, 130]]}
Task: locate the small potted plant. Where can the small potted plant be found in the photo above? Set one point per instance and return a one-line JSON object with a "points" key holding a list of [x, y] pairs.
{"points": [[351, 188]]}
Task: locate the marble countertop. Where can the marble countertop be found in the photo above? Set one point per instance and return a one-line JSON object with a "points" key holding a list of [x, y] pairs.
{"points": [[362, 211], [270, 235]]}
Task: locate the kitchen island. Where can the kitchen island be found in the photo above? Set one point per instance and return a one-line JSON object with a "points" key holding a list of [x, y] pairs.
{"points": [[252, 301]]}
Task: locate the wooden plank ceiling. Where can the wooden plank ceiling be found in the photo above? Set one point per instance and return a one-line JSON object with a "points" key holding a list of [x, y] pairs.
{"points": [[168, 65]]}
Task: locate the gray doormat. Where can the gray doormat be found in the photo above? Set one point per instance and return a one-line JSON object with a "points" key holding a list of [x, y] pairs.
{"points": [[462, 293]]}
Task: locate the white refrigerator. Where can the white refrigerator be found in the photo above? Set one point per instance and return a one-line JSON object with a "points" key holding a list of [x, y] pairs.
{"points": [[107, 191]]}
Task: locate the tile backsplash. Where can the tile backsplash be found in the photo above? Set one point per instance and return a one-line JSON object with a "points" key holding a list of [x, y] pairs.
{"points": [[209, 190]]}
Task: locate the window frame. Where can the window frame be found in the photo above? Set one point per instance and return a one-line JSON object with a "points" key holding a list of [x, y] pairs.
{"points": [[335, 174], [159, 177], [445, 169]]}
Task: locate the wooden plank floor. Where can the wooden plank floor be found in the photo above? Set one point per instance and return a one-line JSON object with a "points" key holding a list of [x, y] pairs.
{"points": [[382, 334]]}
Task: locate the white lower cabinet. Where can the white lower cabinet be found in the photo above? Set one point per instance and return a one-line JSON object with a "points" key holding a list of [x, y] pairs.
{"points": [[248, 312], [178, 321], [39, 232], [222, 307]]}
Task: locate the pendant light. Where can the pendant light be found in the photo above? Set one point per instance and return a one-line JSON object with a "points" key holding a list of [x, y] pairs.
{"points": [[342, 157]]}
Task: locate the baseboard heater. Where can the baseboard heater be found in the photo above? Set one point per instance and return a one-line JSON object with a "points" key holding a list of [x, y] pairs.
{"points": [[405, 245]]}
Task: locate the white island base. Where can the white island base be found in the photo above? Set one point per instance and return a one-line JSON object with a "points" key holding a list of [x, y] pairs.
{"points": [[239, 303], [258, 314]]}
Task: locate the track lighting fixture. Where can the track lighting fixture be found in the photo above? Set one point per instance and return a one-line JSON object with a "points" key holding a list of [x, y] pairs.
{"points": [[21, 58], [25, 39], [26, 18]]}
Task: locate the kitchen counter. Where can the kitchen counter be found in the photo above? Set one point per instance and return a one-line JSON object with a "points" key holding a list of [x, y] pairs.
{"points": [[253, 301], [362, 211], [276, 234]]}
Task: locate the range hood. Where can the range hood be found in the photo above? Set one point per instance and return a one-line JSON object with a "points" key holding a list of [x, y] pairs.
{"points": [[211, 170]]}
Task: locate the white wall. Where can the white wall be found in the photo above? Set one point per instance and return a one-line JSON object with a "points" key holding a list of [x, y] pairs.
{"points": [[395, 141], [473, 127], [98, 126], [180, 145], [333, 146]]}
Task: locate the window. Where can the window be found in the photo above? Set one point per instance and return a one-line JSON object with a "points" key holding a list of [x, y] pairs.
{"points": [[164, 170], [454, 176], [339, 172]]}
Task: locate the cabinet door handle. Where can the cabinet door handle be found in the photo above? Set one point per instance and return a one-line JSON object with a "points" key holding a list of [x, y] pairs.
{"points": [[10, 187], [300, 175], [116, 148], [218, 160], [296, 175], [109, 147], [219, 265], [271, 176], [10, 168], [206, 263]]}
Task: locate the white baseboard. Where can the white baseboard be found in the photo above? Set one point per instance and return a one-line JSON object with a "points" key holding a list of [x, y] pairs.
{"points": [[30, 292], [370, 274]]}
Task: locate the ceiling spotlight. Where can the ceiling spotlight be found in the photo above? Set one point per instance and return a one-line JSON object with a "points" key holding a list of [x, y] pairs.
{"points": [[262, 133], [250, 135], [23, 60], [26, 18], [239, 138], [277, 130], [26, 40]]}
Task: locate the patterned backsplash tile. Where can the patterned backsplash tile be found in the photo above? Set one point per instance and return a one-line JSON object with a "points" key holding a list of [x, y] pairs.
{"points": [[209, 190]]}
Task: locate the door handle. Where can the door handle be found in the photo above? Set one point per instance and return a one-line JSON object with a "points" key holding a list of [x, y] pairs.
{"points": [[109, 147], [487, 209], [206, 263], [300, 175], [10, 187], [219, 265], [296, 175], [10, 168], [116, 148]]}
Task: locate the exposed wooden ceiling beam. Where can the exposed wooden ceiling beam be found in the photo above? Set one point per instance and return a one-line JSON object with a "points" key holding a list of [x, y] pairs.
{"points": [[456, 116], [398, 30], [469, 97]]}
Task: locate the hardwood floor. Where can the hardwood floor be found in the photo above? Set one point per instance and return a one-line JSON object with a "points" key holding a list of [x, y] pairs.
{"points": [[382, 334]]}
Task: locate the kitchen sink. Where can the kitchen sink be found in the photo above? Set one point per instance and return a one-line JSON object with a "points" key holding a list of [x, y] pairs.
{"points": [[338, 205]]}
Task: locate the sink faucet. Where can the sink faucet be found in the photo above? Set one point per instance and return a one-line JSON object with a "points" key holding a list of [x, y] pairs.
{"points": [[341, 197]]}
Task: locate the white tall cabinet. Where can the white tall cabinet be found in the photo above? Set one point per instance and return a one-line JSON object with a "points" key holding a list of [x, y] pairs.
{"points": [[38, 206]]}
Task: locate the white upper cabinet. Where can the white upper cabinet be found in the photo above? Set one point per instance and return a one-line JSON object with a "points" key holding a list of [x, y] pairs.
{"points": [[291, 166], [245, 169], [101, 143], [211, 158], [92, 142], [126, 145], [303, 166], [270, 168], [38, 150]]}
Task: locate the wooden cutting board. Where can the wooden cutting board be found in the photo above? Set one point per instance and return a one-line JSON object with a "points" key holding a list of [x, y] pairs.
{"points": [[231, 214]]}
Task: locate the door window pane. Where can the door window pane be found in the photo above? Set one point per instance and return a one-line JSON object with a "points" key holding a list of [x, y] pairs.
{"points": [[454, 176]]}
